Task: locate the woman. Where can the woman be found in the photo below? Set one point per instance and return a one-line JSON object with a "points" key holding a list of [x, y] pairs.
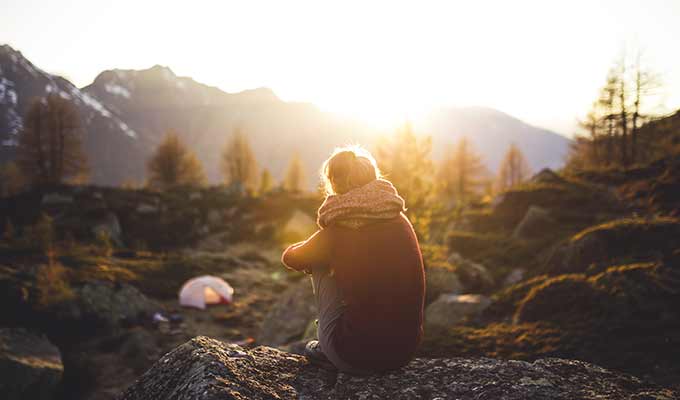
{"points": [[366, 268]]}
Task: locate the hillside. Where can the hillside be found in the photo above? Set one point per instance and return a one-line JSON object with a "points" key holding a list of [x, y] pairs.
{"points": [[112, 145], [582, 268]]}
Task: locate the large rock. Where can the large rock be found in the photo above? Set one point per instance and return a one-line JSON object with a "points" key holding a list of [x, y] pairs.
{"points": [[536, 223], [108, 224], [288, 319], [30, 366], [440, 279], [207, 369], [546, 175], [449, 310], [113, 305], [616, 242], [474, 276]]}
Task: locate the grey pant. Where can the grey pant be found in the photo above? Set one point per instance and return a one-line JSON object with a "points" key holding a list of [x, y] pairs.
{"points": [[331, 305]]}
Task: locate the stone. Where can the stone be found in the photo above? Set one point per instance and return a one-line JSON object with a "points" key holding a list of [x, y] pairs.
{"points": [[289, 317], [56, 199], [145, 208], [440, 280], [108, 224], [451, 309], [515, 276], [474, 276], [111, 306], [30, 366], [536, 223], [548, 176], [208, 369], [215, 217]]}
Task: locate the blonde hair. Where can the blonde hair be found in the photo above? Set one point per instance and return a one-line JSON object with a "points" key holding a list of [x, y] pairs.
{"points": [[347, 168]]}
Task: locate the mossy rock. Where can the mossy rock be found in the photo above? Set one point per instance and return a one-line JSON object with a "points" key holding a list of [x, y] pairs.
{"points": [[440, 278], [564, 300], [560, 198], [621, 241]]}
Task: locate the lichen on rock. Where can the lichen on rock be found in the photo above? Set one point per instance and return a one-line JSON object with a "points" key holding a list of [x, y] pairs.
{"points": [[207, 369]]}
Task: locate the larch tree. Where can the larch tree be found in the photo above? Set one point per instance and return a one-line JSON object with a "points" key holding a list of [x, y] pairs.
{"points": [[405, 159], [462, 173], [238, 162], [514, 169], [50, 144], [174, 165], [266, 182], [613, 124], [295, 175]]}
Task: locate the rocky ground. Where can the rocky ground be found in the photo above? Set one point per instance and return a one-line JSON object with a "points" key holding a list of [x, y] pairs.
{"points": [[528, 276], [208, 369]]}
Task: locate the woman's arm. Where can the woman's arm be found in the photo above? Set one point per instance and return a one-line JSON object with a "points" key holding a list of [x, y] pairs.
{"points": [[309, 254]]}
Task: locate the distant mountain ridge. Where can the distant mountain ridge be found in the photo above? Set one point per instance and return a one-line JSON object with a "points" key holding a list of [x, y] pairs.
{"points": [[492, 132], [126, 113], [107, 136]]}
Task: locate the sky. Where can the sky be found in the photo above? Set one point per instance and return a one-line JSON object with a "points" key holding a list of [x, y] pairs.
{"points": [[540, 61]]}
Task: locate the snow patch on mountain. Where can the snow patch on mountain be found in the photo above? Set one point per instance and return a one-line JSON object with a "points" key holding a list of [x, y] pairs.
{"points": [[117, 90], [7, 93], [127, 129]]}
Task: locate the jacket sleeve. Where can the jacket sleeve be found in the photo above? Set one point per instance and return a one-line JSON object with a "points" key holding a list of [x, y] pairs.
{"points": [[309, 254]]}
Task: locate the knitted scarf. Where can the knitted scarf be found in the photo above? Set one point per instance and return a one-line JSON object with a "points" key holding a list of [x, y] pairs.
{"points": [[375, 201]]}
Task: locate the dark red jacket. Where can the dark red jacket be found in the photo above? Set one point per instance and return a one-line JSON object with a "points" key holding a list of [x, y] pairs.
{"points": [[379, 269]]}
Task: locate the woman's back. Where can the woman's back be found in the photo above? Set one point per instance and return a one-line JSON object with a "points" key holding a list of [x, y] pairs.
{"points": [[379, 270]]}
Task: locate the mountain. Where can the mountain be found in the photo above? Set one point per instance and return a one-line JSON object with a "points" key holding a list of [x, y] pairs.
{"points": [[126, 114], [492, 132], [108, 138], [155, 101]]}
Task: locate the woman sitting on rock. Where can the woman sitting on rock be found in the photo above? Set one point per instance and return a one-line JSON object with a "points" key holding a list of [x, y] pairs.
{"points": [[367, 270]]}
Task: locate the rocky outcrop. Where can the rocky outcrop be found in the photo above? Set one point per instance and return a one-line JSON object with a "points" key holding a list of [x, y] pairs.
{"points": [[616, 242], [536, 223], [207, 369], [441, 280], [30, 366], [449, 310], [111, 306], [289, 318], [475, 277]]}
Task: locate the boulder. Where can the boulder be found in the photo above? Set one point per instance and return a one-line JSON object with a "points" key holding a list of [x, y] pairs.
{"points": [[440, 279], [30, 366], [108, 224], [215, 218], [56, 199], [288, 319], [535, 224], [513, 277], [616, 242], [450, 309], [474, 276], [111, 306], [546, 175], [207, 369], [145, 208]]}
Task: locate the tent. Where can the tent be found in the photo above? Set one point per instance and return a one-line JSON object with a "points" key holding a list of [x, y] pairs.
{"points": [[200, 291]]}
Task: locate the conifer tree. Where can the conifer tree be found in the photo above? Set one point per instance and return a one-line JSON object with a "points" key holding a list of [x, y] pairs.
{"points": [[173, 165], [50, 148], [238, 162], [514, 169], [295, 175], [462, 173]]}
